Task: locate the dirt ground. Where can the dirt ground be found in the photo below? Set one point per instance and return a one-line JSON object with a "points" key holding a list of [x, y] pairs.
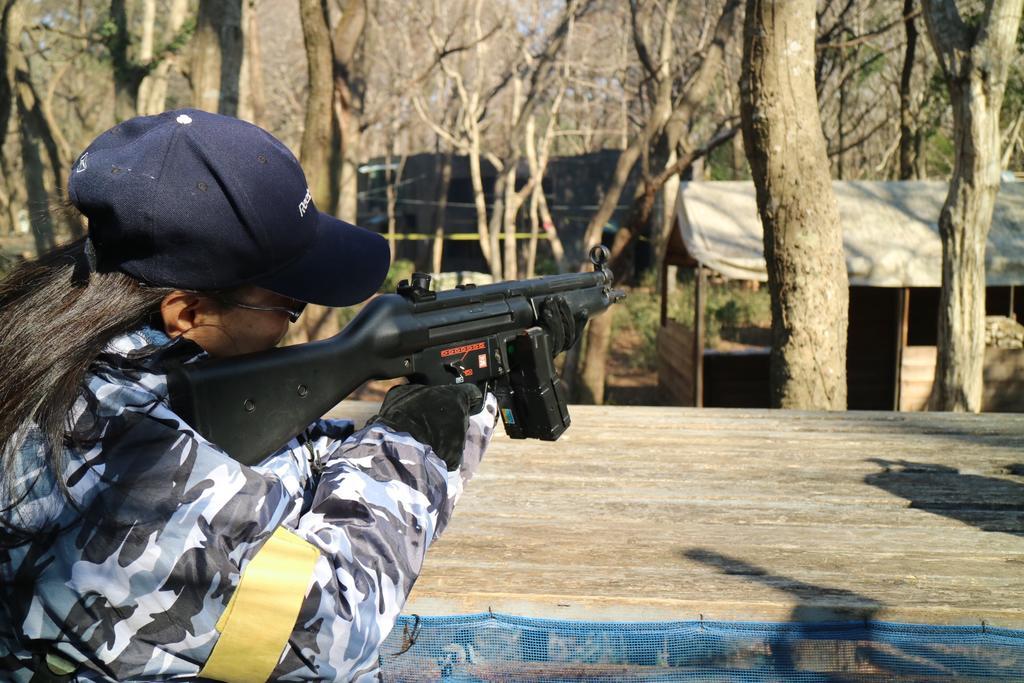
{"points": [[626, 385]]}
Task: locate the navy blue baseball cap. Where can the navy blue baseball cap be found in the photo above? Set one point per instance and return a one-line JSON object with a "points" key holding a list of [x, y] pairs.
{"points": [[205, 202]]}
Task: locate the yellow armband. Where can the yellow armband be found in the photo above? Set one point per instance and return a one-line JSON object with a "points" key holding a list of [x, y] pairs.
{"points": [[261, 615]]}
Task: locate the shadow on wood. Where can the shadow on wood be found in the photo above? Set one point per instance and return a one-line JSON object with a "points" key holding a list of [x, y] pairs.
{"points": [[985, 502]]}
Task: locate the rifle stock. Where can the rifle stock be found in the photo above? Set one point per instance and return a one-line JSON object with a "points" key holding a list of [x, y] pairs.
{"points": [[252, 405]]}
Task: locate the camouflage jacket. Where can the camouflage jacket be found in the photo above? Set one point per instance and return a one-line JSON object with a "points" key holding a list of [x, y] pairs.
{"points": [[129, 578]]}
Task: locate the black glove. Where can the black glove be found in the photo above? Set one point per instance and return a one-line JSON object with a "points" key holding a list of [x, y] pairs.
{"points": [[557, 318], [437, 416]]}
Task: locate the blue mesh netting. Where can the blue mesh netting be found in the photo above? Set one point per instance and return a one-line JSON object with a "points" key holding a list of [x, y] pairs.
{"points": [[496, 647]]}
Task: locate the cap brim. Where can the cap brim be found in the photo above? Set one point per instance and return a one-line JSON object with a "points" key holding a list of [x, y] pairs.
{"points": [[344, 266]]}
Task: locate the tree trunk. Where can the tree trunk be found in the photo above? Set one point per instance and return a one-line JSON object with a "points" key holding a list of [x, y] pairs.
{"points": [[594, 370], [495, 222], [243, 109], [393, 180], [35, 186], [540, 216], [444, 183], [662, 113], [37, 133], [531, 249], [315, 154], [696, 92], [623, 167], [593, 373], [350, 139], [33, 169], [152, 94], [509, 210], [257, 101], [661, 109], [908, 164], [803, 241], [146, 52], [537, 186], [667, 156], [975, 62], [331, 134], [217, 57], [667, 220], [348, 86], [548, 224], [644, 199], [8, 45], [315, 150], [480, 202], [127, 73]]}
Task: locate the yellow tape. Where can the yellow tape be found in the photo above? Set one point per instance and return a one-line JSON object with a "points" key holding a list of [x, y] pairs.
{"points": [[259, 619], [458, 236]]}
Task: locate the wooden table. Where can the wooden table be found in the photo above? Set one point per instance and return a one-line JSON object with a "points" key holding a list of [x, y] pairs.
{"points": [[654, 513]]}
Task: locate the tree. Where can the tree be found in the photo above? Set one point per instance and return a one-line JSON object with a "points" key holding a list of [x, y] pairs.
{"points": [[803, 245], [36, 128], [218, 48], [349, 93], [7, 49], [530, 63], [140, 68], [910, 139], [473, 98], [676, 92], [330, 138], [319, 146], [152, 93], [975, 55]]}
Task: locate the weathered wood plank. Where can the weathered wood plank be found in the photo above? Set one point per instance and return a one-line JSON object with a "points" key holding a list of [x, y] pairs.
{"points": [[1003, 386], [675, 363], [1004, 380], [671, 513]]}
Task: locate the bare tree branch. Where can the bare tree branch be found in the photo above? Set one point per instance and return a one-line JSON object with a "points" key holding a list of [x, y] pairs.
{"points": [[865, 37]]}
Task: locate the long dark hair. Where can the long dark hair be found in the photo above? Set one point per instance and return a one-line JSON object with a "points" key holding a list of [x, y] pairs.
{"points": [[55, 318]]}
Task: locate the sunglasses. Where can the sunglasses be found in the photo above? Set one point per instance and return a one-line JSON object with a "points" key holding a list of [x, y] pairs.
{"points": [[293, 311]]}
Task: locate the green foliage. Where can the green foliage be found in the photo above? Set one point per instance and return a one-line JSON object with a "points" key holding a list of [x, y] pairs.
{"points": [[401, 269], [939, 154], [545, 265], [874, 62], [938, 91], [640, 313], [720, 164], [180, 40], [107, 29]]}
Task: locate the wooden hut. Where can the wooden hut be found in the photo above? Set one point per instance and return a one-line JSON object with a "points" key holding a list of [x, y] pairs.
{"points": [[894, 262]]}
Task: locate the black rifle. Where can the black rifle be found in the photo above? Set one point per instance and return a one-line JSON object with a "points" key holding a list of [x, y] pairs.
{"points": [[252, 405]]}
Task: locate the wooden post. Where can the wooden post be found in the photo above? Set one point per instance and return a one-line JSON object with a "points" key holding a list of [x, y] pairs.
{"points": [[903, 323], [700, 297], [1013, 315], [664, 292]]}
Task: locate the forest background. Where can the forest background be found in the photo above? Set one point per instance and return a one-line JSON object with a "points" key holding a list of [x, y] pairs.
{"points": [[501, 89]]}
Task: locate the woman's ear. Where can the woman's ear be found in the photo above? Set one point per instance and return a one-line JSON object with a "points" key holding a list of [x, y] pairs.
{"points": [[179, 311]]}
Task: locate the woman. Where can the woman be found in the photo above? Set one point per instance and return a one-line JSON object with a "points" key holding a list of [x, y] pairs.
{"points": [[130, 546]]}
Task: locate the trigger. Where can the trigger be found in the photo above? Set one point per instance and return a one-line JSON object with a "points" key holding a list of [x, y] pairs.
{"points": [[457, 370]]}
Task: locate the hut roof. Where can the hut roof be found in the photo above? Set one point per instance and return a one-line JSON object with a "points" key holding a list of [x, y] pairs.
{"points": [[890, 231]]}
